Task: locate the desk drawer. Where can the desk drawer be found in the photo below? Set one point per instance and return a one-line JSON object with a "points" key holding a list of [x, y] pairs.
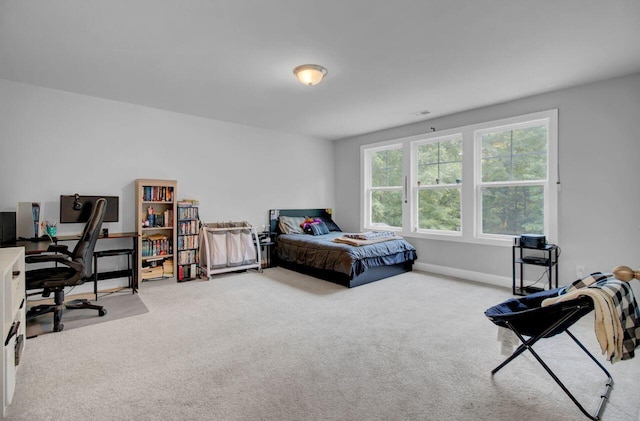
{"points": [[9, 370], [17, 291]]}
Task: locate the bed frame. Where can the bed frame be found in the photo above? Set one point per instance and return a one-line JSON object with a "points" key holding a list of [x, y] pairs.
{"points": [[370, 275]]}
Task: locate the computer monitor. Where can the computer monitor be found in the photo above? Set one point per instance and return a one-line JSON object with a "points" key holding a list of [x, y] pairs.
{"points": [[75, 208]]}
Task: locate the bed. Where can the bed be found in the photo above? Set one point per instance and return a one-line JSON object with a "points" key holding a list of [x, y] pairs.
{"points": [[317, 254]]}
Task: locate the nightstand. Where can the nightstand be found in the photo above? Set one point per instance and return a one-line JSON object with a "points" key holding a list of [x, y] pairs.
{"points": [[267, 244], [546, 256]]}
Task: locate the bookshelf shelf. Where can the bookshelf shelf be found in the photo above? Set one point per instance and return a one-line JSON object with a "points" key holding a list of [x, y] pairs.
{"points": [[161, 257], [155, 224]]}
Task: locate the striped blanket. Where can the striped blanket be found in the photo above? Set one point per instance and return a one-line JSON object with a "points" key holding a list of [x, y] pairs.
{"points": [[617, 317]]}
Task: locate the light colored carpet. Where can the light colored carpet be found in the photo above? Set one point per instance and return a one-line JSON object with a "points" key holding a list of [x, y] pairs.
{"points": [[283, 346], [117, 306]]}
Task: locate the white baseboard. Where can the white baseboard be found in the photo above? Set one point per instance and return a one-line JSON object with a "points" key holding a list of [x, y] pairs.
{"points": [[485, 278]]}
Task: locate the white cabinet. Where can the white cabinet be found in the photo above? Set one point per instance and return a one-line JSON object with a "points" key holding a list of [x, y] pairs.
{"points": [[13, 303]]}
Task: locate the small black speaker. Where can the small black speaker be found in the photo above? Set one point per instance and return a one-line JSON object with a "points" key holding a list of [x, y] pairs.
{"points": [[7, 227], [533, 241]]}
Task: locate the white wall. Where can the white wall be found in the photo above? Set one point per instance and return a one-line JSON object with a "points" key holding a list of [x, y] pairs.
{"points": [[599, 205], [54, 142]]}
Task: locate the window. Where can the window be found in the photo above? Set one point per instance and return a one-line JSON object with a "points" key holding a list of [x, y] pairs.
{"points": [[439, 178], [384, 187], [509, 167], [513, 178]]}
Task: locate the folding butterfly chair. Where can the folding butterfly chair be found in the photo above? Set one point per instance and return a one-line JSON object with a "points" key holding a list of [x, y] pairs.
{"points": [[525, 317]]}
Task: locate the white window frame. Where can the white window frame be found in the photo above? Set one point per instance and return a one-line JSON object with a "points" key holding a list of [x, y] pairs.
{"points": [[470, 201], [368, 189], [550, 200], [416, 188]]}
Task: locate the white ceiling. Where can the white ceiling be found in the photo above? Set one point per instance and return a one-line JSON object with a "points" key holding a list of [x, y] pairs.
{"points": [[232, 60]]}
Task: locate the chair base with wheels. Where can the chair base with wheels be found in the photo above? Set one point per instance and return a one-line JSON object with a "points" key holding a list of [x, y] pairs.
{"points": [[530, 323], [55, 308], [79, 304], [37, 279]]}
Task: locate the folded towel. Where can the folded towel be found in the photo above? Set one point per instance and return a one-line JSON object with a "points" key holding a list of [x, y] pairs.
{"points": [[358, 242], [370, 235]]}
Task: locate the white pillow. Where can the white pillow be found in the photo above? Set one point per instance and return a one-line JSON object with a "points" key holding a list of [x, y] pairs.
{"points": [[291, 224]]}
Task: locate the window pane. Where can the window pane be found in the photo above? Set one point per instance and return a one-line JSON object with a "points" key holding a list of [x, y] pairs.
{"points": [[513, 210], [386, 208], [428, 174], [451, 173], [451, 150], [530, 167], [386, 168], [440, 162], [496, 169], [515, 155], [496, 144], [428, 153], [530, 140], [439, 209]]}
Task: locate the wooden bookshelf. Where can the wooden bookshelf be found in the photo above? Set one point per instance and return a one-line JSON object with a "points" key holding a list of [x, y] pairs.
{"points": [[156, 225]]}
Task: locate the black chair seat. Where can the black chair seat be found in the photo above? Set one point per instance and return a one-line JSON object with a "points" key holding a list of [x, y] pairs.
{"points": [[526, 315], [49, 277]]}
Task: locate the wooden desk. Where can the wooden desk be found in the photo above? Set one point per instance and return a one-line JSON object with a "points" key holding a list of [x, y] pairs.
{"points": [[36, 247], [30, 247], [76, 237], [133, 284]]}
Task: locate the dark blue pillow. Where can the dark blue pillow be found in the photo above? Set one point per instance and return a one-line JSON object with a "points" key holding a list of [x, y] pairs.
{"points": [[318, 228]]}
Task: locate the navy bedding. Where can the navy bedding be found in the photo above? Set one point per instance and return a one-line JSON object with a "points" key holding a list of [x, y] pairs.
{"points": [[320, 252]]}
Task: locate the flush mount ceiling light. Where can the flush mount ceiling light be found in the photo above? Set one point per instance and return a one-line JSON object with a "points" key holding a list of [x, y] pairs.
{"points": [[310, 74]]}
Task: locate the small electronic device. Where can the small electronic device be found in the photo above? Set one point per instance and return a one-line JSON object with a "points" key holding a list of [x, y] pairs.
{"points": [[535, 260], [536, 241]]}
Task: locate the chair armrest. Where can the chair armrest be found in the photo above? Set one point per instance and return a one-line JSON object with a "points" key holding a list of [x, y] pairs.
{"points": [[59, 248], [54, 258], [77, 266], [44, 258]]}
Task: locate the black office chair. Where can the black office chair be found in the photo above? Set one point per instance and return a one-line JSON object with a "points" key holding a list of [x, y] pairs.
{"points": [[71, 269], [530, 322]]}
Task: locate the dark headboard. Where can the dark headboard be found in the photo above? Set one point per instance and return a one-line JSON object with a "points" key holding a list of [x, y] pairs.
{"points": [[275, 213]]}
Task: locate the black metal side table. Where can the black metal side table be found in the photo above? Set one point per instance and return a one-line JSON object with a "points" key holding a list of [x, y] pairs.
{"points": [[267, 244], [546, 256]]}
